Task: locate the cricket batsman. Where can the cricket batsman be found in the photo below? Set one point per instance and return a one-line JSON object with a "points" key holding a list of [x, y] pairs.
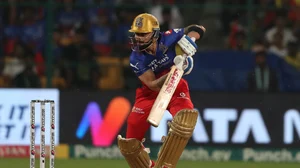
{"points": [[152, 57]]}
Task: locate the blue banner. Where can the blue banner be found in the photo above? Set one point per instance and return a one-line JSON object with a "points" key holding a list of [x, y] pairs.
{"points": [[228, 71]]}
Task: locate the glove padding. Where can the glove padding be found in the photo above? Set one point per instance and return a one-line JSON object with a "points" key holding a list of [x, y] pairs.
{"points": [[186, 64], [187, 45]]}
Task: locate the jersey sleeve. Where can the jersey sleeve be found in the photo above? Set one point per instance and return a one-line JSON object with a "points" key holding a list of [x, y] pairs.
{"points": [[137, 64], [174, 35]]}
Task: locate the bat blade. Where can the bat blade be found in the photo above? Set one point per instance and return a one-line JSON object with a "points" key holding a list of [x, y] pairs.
{"points": [[164, 97]]}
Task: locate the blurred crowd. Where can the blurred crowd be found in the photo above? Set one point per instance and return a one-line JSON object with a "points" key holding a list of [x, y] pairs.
{"points": [[89, 46], [274, 29], [275, 24], [81, 38]]}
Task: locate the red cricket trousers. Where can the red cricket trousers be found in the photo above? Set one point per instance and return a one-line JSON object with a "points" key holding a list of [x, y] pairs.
{"points": [[137, 124]]}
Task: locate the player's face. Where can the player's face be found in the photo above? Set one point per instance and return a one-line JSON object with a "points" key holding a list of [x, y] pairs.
{"points": [[141, 41], [143, 38]]}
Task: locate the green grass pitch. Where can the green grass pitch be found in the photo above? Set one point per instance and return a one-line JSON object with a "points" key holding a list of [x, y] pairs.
{"points": [[93, 163]]}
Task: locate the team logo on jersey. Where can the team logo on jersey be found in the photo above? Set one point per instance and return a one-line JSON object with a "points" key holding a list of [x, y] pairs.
{"points": [[168, 32], [177, 30], [134, 66], [139, 22]]}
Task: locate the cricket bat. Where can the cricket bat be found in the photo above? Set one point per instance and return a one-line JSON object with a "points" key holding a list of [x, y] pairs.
{"points": [[166, 92]]}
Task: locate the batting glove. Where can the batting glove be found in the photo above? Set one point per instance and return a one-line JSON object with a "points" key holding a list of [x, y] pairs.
{"points": [[187, 45], [188, 65], [184, 63]]}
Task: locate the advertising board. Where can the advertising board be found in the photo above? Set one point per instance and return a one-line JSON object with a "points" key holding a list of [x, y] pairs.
{"points": [[15, 115], [244, 120]]}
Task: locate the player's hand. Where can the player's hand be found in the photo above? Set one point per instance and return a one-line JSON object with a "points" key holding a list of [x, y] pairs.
{"points": [[188, 65], [188, 45], [184, 63]]}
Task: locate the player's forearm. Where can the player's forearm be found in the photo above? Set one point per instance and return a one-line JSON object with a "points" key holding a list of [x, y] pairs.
{"points": [[158, 83], [161, 80], [195, 31], [194, 35]]}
